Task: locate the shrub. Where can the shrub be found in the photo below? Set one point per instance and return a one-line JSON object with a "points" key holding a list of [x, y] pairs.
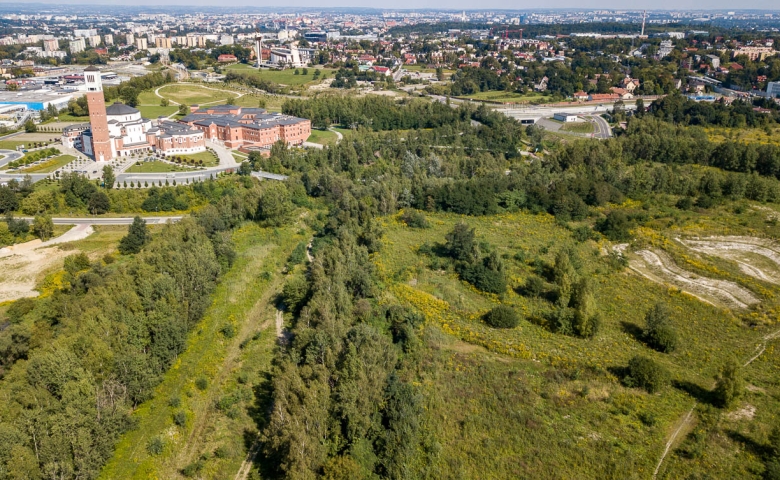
{"points": [[615, 226], [201, 383], [484, 278], [174, 401], [180, 418], [728, 385], [155, 446], [502, 316], [415, 220], [659, 332], [647, 374], [685, 203], [228, 330]]}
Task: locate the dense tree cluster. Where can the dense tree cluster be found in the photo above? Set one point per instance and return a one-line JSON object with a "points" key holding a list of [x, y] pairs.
{"points": [[75, 363]]}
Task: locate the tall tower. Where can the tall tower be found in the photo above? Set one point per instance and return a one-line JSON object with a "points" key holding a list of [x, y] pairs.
{"points": [[644, 17], [101, 141]]}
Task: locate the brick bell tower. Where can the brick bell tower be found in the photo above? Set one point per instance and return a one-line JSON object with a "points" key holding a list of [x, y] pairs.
{"points": [[101, 141]]}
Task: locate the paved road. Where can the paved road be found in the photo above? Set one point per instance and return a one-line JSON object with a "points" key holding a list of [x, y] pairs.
{"points": [[603, 129], [9, 156], [108, 220]]}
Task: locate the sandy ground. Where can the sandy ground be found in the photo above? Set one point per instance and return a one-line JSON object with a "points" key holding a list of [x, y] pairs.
{"points": [[658, 267], [36, 137], [21, 265], [747, 252]]}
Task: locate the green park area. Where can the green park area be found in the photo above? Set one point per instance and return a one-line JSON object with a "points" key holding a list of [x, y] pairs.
{"points": [[508, 97], [324, 137], [50, 165], [155, 167], [578, 127], [206, 159], [284, 77]]}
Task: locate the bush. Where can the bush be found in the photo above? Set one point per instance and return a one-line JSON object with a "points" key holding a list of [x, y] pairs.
{"points": [[228, 330], [201, 383], [484, 278], [415, 220], [174, 401], [155, 446], [728, 385], [502, 316], [647, 374], [685, 203], [615, 226], [659, 332], [180, 418]]}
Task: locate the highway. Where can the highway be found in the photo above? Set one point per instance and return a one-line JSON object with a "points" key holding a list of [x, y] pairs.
{"points": [[108, 220]]}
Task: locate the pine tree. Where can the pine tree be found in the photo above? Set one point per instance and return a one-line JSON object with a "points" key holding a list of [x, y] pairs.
{"points": [[729, 385]]}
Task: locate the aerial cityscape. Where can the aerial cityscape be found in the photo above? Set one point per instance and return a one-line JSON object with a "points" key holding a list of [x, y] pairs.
{"points": [[354, 242]]}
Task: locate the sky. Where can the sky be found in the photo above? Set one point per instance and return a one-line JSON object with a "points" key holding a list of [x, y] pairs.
{"points": [[698, 5]]}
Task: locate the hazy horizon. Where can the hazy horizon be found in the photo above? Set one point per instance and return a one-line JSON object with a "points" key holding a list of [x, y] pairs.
{"points": [[684, 5]]}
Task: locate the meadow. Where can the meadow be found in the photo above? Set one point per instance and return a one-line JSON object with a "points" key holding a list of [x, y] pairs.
{"points": [[204, 431], [568, 410], [508, 97], [282, 77]]}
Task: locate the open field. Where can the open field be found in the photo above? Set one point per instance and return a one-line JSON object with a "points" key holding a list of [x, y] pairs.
{"points": [[572, 413], [30, 269], [154, 111], [192, 94], [323, 137], [283, 77], [217, 418], [50, 165], [155, 167], [508, 97], [578, 127]]}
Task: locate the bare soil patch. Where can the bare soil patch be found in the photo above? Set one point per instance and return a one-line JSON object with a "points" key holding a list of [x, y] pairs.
{"points": [[656, 265], [23, 265], [756, 257]]}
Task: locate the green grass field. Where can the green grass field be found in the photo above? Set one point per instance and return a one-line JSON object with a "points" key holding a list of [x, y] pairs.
{"points": [[152, 112], [155, 167], [323, 137], [508, 97], [527, 402], [217, 417], [283, 77], [11, 144], [50, 165], [578, 127], [192, 94], [209, 159]]}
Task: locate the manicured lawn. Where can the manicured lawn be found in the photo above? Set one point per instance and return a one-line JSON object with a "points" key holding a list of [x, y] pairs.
{"points": [[152, 112], [155, 167], [343, 131], [578, 127], [284, 77], [50, 165], [209, 159], [10, 144], [191, 94], [323, 137]]}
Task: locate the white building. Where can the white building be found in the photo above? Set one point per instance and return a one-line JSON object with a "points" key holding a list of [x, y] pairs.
{"points": [[293, 57], [226, 40], [87, 32], [94, 41], [141, 44], [565, 117], [129, 39], [108, 40], [78, 45]]}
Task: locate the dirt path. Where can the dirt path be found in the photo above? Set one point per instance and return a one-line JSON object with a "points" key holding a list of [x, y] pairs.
{"points": [[686, 420], [658, 267], [308, 253], [22, 265], [248, 328], [762, 347]]}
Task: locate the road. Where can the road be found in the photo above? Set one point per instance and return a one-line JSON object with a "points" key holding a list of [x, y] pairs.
{"points": [[602, 127], [108, 220], [9, 156]]}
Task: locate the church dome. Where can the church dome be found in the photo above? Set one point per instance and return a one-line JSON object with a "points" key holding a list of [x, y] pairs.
{"points": [[120, 109]]}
